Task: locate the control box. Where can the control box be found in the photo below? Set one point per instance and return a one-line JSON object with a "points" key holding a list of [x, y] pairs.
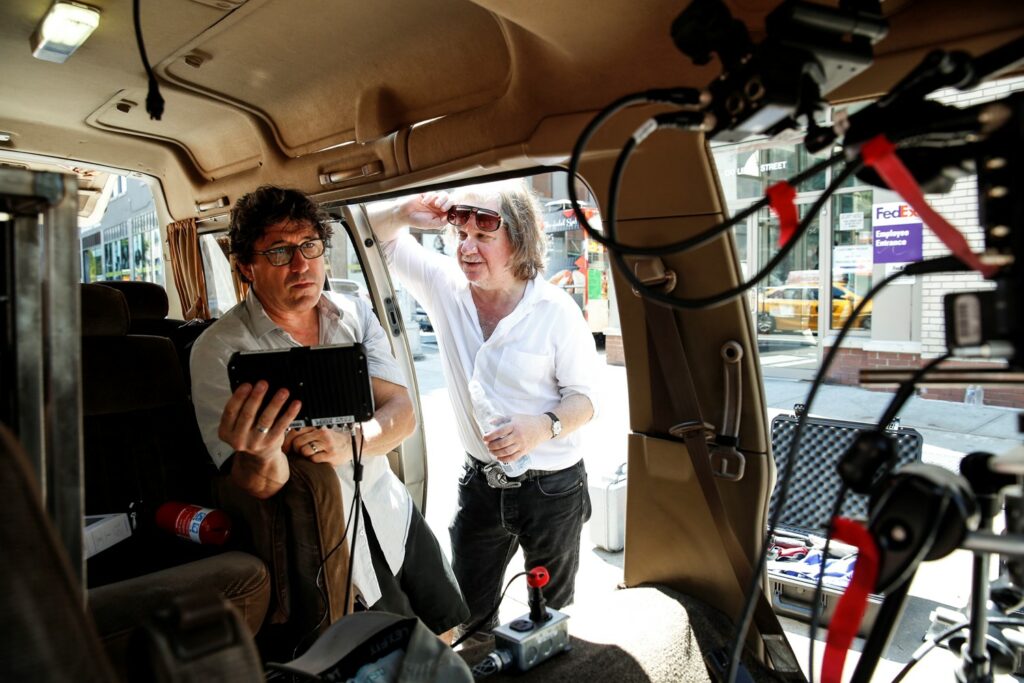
{"points": [[529, 643]]}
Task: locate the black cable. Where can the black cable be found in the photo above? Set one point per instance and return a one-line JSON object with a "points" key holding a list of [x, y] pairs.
{"points": [[320, 584], [476, 627], [729, 294], [820, 581], [609, 240], [154, 101], [936, 265], [357, 476], [676, 96], [905, 391], [924, 649]]}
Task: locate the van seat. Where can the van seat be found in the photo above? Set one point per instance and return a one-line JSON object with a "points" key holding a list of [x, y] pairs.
{"points": [[147, 307], [142, 446]]}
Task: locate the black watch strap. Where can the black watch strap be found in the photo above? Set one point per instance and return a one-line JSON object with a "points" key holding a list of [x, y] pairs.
{"points": [[556, 424]]}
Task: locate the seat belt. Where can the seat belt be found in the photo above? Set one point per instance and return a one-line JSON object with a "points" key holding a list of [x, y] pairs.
{"points": [[671, 357]]}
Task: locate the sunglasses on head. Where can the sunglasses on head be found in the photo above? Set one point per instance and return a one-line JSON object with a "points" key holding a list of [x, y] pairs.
{"points": [[486, 220]]}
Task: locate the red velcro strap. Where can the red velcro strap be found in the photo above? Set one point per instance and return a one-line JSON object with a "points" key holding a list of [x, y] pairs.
{"points": [[850, 610], [781, 197], [880, 154]]}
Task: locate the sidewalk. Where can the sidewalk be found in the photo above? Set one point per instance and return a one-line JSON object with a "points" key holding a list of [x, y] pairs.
{"points": [[950, 430]]}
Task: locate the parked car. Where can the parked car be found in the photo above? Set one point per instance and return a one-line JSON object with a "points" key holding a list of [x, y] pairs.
{"points": [[422, 320], [795, 308]]}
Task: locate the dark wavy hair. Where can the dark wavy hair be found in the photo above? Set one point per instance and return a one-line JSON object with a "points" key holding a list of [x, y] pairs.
{"points": [[253, 213]]}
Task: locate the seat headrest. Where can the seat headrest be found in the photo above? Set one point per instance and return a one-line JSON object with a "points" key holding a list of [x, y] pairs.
{"points": [[104, 312], [146, 300]]}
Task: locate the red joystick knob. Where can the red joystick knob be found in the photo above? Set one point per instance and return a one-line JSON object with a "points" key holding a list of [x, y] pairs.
{"points": [[538, 577]]}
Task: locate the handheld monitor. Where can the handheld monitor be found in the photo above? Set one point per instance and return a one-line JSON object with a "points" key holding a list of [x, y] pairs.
{"points": [[333, 382]]}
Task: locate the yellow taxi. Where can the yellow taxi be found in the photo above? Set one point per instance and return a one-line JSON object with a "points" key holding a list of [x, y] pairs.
{"points": [[795, 308]]}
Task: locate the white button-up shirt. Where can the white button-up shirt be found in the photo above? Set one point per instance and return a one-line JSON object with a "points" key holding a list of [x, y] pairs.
{"points": [[539, 354], [343, 320]]}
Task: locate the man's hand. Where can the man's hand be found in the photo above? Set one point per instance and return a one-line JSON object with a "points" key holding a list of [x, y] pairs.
{"points": [[260, 467], [518, 437], [428, 211], [264, 437], [319, 444]]}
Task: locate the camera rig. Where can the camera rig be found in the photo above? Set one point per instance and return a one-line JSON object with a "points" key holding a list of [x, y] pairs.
{"points": [[911, 145]]}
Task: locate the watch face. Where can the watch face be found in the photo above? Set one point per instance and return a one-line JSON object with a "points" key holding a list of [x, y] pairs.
{"points": [[556, 425]]}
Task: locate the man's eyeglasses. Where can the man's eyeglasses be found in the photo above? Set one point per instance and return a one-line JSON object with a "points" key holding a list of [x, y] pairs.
{"points": [[282, 256], [486, 220]]}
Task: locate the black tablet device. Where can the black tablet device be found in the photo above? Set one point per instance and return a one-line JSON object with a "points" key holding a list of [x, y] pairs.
{"points": [[333, 382]]}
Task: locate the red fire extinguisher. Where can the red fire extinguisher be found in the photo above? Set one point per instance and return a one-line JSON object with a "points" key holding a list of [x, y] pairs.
{"points": [[207, 526]]}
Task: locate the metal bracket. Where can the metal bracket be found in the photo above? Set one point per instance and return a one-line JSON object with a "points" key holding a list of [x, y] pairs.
{"points": [[653, 273], [683, 428]]}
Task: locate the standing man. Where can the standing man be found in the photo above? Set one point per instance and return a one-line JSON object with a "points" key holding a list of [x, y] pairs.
{"points": [[521, 365], [278, 238]]}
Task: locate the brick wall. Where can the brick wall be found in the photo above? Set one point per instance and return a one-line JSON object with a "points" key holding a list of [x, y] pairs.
{"points": [[848, 362], [959, 207]]}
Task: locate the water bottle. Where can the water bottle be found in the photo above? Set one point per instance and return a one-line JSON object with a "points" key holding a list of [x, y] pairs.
{"points": [[488, 418], [207, 526], [974, 395]]}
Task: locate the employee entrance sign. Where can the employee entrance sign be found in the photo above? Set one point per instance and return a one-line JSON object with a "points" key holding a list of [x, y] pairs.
{"points": [[896, 233]]}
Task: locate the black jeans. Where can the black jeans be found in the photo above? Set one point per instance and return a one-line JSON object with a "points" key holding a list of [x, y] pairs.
{"points": [[424, 587], [545, 515]]}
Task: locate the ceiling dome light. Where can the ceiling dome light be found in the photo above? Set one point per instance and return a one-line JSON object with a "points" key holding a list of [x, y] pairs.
{"points": [[63, 30]]}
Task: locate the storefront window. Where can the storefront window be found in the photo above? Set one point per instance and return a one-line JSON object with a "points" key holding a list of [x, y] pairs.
{"points": [[852, 256], [787, 299], [92, 264], [126, 245]]}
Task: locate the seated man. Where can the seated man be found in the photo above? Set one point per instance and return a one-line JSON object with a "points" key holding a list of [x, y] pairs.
{"points": [[278, 238]]}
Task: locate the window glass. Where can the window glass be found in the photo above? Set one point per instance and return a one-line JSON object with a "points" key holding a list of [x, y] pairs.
{"points": [[852, 255], [223, 284], [125, 244]]}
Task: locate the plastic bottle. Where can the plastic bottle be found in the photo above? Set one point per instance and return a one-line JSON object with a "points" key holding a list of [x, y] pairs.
{"points": [[206, 526], [974, 395], [488, 419]]}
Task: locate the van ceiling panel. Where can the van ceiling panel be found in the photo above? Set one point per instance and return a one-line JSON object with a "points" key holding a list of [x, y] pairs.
{"points": [[326, 73], [219, 139]]}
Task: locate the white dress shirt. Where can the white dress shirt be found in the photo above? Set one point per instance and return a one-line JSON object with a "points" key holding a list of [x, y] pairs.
{"points": [[343, 320], [539, 354]]}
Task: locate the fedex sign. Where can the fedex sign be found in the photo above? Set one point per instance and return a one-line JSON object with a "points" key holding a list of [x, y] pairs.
{"points": [[885, 212], [896, 229]]}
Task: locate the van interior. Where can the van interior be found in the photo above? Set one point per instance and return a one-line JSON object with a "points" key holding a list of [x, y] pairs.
{"points": [[202, 101]]}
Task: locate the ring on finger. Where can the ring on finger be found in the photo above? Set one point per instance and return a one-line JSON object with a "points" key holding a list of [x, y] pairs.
{"points": [[313, 446], [261, 429]]}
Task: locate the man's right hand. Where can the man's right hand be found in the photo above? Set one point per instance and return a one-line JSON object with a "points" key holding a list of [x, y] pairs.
{"points": [[427, 211], [262, 437]]}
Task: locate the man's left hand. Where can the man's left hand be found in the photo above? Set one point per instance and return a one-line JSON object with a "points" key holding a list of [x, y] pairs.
{"points": [[518, 437], [319, 444]]}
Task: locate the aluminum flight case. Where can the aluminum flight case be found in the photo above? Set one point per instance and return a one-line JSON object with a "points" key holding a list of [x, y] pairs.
{"points": [[608, 505], [812, 493]]}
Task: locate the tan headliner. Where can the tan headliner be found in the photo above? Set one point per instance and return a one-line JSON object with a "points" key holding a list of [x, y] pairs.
{"points": [[502, 79]]}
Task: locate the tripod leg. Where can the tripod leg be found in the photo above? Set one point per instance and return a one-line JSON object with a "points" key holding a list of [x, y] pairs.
{"points": [[888, 614]]}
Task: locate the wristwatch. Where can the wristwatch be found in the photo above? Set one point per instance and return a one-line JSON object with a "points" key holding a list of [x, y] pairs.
{"points": [[556, 425]]}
